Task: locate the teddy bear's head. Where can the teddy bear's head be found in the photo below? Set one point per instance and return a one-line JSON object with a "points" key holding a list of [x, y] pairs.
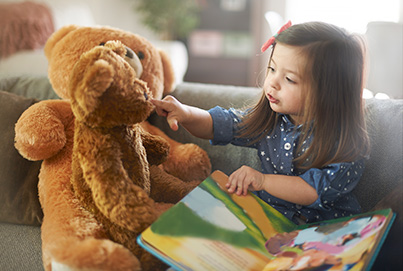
{"points": [[105, 89], [64, 48]]}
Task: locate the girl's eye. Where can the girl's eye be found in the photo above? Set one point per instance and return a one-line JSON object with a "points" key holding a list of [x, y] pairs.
{"points": [[270, 69], [289, 80]]}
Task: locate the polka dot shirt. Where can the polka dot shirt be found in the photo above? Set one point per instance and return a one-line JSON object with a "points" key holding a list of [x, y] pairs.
{"points": [[333, 183]]}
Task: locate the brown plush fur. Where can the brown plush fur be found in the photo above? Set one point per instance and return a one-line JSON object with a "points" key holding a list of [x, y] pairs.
{"points": [[73, 230]]}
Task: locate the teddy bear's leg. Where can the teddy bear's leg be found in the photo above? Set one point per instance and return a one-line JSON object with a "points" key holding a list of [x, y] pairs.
{"points": [[168, 188], [187, 162], [128, 239], [94, 254], [71, 237]]}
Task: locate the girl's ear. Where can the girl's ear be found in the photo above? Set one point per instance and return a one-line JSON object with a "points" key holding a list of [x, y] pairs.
{"points": [[169, 75]]}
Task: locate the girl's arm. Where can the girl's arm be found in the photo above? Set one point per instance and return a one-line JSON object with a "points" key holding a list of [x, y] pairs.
{"points": [[289, 188], [196, 121]]}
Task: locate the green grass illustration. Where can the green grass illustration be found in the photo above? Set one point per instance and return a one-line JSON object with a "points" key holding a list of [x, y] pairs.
{"points": [[181, 221]]}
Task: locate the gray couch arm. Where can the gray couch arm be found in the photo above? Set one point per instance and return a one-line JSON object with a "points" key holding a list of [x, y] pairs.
{"points": [[383, 170]]}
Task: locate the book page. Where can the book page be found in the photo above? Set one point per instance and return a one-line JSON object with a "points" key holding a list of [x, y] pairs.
{"points": [[341, 244], [213, 230]]}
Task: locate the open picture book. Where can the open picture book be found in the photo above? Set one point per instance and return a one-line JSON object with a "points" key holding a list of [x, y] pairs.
{"points": [[210, 229]]}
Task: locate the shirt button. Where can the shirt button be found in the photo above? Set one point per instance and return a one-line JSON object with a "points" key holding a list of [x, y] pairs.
{"points": [[298, 206], [287, 146]]}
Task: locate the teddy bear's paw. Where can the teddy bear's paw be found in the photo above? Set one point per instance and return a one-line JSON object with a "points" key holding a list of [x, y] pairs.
{"points": [[39, 142], [162, 207], [135, 219], [94, 254], [188, 162], [128, 206], [151, 263], [189, 186], [168, 188]]}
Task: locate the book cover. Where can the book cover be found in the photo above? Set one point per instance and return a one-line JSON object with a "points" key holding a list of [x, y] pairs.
{"points": [[210, 229]]}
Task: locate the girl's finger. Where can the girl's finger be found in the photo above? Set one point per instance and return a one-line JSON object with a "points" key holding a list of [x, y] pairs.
{"points": [[232, 187], [173, 123], [245, 188], [159, 108], [239, 190]]}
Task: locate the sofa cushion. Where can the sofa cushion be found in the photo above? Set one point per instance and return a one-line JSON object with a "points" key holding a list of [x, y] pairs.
{"points": [[29, 86], [20, 248], [383, 171], [19, 201]]}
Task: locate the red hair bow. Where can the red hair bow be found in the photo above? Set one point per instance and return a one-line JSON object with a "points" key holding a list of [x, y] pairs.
{"points": [[273, 38]]}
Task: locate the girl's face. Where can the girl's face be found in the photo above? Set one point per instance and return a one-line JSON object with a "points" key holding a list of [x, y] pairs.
{"points": [[283, 84]]}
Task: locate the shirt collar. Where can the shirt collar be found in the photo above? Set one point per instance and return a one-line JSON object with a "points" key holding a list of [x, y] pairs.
{"points": [[287, 123]]}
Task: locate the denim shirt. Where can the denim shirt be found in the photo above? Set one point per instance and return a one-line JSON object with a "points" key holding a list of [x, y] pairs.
{"points": [[333, 183]]}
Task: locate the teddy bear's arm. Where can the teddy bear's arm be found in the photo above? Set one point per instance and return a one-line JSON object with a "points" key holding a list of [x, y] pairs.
{"points": [[167, 188], [40, 132], [156, 147], [187, 162], [114, 193]]}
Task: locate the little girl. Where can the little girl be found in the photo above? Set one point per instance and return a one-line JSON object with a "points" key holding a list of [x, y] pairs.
{"points": [[308, 126]]}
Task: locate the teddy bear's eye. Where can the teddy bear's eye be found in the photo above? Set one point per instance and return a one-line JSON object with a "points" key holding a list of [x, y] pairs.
{"points": [[102, 44], [140, 55]]}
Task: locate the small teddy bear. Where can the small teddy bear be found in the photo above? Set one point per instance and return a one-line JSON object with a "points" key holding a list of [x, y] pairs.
{"points": [[111, 175]]}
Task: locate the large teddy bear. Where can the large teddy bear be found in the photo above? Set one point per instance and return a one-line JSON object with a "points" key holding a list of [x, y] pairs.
{"points": [[73, 237]]}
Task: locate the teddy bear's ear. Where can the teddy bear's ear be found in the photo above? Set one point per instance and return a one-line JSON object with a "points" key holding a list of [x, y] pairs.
{"points": [[169, 75], [56, 37], [89, 81]]}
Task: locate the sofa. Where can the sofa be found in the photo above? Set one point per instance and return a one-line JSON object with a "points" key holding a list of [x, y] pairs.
{"points": [[21, 215]]}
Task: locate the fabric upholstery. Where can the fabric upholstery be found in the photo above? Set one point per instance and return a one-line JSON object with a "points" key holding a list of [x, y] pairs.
{"points": [[225, 158], [384, 170], [20, 248], [28, 86], [19, 201]]}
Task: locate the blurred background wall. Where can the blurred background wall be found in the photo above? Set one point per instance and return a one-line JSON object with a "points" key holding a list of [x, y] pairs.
{"points": [[223, 47]]}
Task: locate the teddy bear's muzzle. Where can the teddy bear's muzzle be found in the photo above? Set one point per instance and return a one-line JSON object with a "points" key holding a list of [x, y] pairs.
{"points": [[134, 61]]}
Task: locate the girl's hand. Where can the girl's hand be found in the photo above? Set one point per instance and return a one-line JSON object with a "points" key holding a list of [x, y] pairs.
{"points": [[244, 179], [196, 121], [170, 108]]}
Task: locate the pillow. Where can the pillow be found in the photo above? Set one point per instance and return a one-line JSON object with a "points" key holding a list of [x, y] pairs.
{"points": [[25, 25], [19, 202]]}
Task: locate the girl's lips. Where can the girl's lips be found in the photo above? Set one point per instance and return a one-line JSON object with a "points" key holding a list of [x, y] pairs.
{"points": [[272, 99]]}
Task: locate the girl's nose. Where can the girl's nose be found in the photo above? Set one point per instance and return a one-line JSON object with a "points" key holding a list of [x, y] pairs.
{"points": [[272, 81]]}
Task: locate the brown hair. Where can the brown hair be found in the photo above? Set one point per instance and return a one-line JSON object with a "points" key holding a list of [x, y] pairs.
{"points": [[333, 105]]}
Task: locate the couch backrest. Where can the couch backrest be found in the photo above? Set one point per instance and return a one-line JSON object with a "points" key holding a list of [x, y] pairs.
{"points": [[384, 169], [225, 158]]}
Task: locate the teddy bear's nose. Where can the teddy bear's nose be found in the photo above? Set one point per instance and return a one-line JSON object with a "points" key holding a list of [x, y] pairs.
{"points": [[134, 61]]}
